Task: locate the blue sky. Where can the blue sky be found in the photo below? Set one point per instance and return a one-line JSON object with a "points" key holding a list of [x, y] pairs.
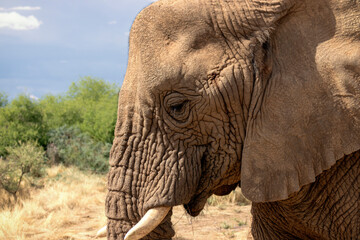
{"points": [[45, 45]]}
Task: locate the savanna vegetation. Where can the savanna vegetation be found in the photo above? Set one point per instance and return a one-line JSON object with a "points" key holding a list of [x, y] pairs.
{"points": [[53, 162], [73, 129]]}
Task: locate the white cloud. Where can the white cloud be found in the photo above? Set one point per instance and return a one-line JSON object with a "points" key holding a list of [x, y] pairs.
{"points": [[15, 21], [112, 22], [21, 8], [33, 97], [25, 8]]}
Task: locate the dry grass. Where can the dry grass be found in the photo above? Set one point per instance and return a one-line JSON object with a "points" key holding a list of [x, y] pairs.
{"points": [[70, 204]]}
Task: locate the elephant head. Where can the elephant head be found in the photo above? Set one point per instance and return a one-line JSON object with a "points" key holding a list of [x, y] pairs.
{"points": [[262, 94]]}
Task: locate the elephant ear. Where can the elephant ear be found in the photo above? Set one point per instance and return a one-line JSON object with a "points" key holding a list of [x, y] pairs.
{"points": [[306, 115]]}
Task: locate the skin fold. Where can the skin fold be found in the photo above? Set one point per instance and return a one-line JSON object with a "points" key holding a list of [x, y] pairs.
{"points": [[259, 94]]}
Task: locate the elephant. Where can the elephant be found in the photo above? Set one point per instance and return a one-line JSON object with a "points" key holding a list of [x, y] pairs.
{"points": [[260, 94]]}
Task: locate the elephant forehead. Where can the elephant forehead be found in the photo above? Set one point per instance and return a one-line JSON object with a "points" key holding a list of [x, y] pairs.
{"points": [[163, 23], [163, 58], [177, 66]]}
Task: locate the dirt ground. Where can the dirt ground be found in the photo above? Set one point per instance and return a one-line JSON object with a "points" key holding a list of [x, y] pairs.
{"points": [[215, 222], [228, 221]]}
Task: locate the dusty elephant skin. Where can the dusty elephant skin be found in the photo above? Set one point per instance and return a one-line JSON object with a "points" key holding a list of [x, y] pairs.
{"points": [[261, 94]]}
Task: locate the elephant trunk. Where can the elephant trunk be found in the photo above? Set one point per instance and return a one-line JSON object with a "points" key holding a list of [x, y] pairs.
{"points": [[131, 215], [125, 212], [124, 221]]}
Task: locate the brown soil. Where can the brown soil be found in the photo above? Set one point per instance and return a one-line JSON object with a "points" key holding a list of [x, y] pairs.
{"points": [[215, 222]]}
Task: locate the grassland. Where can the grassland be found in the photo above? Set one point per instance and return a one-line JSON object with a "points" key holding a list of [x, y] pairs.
{"points": [[70, 205]]}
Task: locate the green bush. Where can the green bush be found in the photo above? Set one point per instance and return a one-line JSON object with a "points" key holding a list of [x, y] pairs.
{"points": [[76, 148], [90, 104], [98, 101], [100, 119], [24, 160], [59, 111], [21, 121]]}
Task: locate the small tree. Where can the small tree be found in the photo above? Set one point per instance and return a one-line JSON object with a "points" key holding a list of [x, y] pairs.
{"points": [[90, 104], [21, 121], [59, 110], [91, 89], [98, 102], [25, 160]]}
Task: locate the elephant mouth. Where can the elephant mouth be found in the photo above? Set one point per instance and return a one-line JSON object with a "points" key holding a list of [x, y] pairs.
{"points": [[199, 199], [196, 204]]}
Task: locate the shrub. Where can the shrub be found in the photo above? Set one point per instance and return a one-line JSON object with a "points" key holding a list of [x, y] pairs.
{"points": [[76, 148], [21, 121], [90, 104], [59, 111], [100, 119], [98, 101], [24, 160]]}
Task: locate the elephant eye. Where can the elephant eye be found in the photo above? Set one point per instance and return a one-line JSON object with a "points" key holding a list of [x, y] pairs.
{"points": [[178, 109], [177, 106]]}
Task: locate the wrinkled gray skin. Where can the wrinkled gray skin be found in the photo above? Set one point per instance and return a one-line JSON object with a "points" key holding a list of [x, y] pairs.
{"points": [[261, 94]]}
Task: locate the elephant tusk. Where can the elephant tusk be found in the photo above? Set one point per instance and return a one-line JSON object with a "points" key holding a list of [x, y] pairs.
{"points": [[101, 232], [148, 222]]}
